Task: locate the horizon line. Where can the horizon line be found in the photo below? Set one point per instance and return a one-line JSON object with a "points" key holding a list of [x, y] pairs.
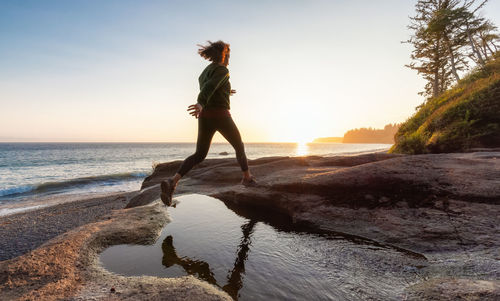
{"points": [[220, 142], [184, 142]]}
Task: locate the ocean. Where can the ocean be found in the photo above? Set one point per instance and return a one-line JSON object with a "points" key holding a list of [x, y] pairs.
{"points": [[30, 171]]}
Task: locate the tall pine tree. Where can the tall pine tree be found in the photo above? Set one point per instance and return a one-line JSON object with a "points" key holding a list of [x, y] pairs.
{"points": [[447, 35], [447, 20], [429, 53]]}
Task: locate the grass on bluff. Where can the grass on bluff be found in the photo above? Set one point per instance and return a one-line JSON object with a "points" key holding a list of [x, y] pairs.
{"points": [[465, 116]]}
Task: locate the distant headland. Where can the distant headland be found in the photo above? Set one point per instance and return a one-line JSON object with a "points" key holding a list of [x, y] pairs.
{"points": [[364, 135]]}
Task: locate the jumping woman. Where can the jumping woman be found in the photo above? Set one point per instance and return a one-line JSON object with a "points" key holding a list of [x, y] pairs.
{"points": [[212, 112]]}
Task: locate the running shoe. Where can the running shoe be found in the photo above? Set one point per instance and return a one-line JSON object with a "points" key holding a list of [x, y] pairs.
{"points": [[167, 190], [249, 182]]}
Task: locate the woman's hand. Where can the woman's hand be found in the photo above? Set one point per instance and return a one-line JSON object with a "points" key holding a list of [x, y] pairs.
{"points": [[195, 110], [232, 92]]}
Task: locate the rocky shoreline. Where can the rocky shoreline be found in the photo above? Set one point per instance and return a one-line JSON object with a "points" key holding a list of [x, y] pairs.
{"points": [[442, 208]]}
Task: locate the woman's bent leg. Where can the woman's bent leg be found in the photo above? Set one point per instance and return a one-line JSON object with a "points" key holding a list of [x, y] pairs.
{"points": [[228, 129], [206, 132]]}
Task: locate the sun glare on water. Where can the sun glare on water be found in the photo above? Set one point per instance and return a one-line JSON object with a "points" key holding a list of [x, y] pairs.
{"points": [[302, 148]]}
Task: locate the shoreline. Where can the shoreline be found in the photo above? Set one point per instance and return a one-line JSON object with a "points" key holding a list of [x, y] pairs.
{"points": [[441, 206], [34, 203], [29, 229], [18, 212], [64, 176]]}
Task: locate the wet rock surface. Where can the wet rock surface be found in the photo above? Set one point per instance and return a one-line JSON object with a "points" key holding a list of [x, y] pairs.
{"points": [[444, 207], [439, 208], [67, 267], [252, 255]]}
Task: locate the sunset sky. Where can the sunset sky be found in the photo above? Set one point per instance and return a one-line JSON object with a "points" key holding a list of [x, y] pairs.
{"points": [[109, 71]]}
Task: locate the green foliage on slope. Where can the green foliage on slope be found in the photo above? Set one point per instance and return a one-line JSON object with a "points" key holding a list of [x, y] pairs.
{"points": [[463, 117]]}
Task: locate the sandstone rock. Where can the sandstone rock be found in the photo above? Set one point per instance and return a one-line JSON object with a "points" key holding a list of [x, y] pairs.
{"points": [[145, 196], [442, 206], [410, 189], [384, 200], [455, 289], [68, 268]]}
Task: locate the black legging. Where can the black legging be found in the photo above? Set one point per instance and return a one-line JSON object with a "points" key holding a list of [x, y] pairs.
{"points": [[206, 130]]}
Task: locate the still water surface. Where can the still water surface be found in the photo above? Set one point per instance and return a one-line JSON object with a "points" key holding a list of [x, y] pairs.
{"points": [[256, 255]]}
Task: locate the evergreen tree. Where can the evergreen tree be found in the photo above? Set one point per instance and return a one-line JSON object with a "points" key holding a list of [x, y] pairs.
{"points": [[447, 35], [430, 52], [487, 38], [447, 20], [473, 25]]}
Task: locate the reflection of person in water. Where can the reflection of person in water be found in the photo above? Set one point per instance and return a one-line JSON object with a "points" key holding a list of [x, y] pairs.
{"points": [[192, 267], [234, 280], [202, 269]]}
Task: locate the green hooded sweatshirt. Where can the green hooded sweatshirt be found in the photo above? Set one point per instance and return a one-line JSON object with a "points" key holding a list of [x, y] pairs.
{"points": [[214, 87]]}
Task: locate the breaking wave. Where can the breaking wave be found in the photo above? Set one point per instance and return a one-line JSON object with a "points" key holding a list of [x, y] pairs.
{"points": [[104, 180]]}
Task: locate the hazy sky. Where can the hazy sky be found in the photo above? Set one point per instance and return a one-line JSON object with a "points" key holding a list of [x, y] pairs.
{"points": [[127, 70]]}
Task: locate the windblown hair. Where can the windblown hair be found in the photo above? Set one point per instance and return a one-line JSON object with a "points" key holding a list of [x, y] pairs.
{"points": [[214, 51]]}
